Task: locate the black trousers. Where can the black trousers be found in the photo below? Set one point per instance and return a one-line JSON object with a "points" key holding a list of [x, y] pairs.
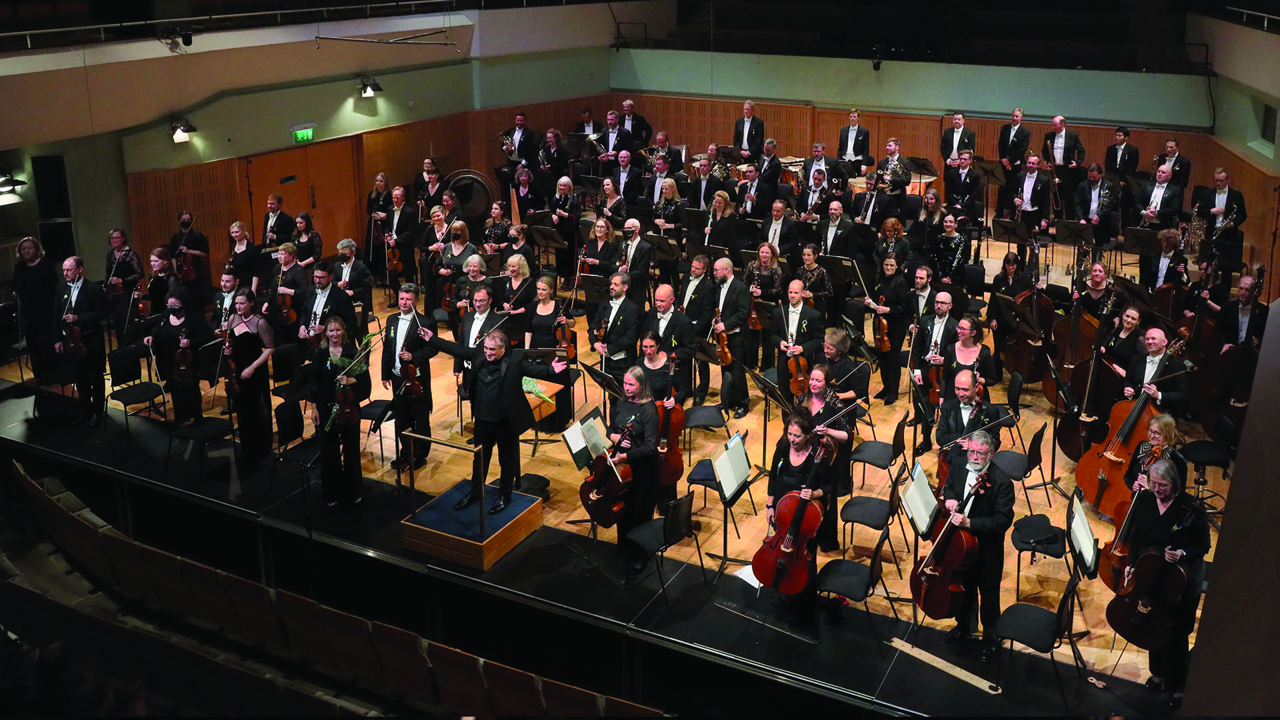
{"points": [[1031, 221], [340, 463], [412, 413], [500, 433], [185, 397], [704, 379], [982, 583], [891, 361], [1066, 190], [642, 500], [759, 352], [87, 373], [733, 379], [920, 399], [409, 272], [1170, 663]]}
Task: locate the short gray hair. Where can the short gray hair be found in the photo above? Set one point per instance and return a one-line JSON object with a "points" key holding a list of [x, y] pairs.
{"points": [[346, 244], [983, 438]]}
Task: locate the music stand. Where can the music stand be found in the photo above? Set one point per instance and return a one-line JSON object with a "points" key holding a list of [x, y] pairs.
{"points": [[1012, 232], [575, 145], [546, 239], [922, 171], [864, 237], [992, 170], [840, 270], [733, 460], [921, 507], [1074, 233], [707, 352], [713, 252], [771, 395], [1142, 241], [726, 155], [595, 289], [695, 220], [746, 231], [607, 384], [664, 247]]}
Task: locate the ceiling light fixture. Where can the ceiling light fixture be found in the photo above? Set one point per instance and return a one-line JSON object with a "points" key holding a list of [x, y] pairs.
{"points": [[181, 128], [369, 86]]}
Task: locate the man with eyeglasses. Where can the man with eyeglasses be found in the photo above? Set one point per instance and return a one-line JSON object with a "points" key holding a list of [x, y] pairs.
{"points": [[934, 332], [979, 498]]}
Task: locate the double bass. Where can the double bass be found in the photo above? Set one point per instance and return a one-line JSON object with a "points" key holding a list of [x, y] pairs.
{"points": [[603, 493], [783, 560], [1141, 611], [1100, 472], [670, 428], [935, 580], [1075, 337], [1115, 554]]}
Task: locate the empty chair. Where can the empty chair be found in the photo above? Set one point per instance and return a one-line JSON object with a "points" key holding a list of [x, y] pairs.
{"points": [[875, 514], [377, 413], [257, 616], [513, 692], [1036, 535], [285, 362], [1020, 466], [881, 454], [704, 417], [303, 454], [569, 701], [213, 605], [127, 386], [1041, 630], [171, 589], [404, 662], [352, 646], [857, 582], [461, 685], [131, 574], [203, 432], [303, 627], [658, 534]]}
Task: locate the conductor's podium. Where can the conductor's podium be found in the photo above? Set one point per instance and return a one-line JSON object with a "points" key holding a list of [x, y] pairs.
{"points": [[438, 530]]}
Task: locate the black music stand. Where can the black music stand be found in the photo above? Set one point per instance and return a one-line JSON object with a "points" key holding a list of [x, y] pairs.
{"points": [[746, 232], [713, 252], [771, 395], [608, 385], [727, 502], [695, 221], [595, 289], [1012, 232], [922, 171], [992, 170], [864, 237], [1142, 241], [1063, 398], [1076, 234], [840, 270], [704, 351], [547, 240], [575, 145]]}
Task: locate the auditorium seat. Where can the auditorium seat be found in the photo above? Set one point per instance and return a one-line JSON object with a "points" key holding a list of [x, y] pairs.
{"points": [[404, 662], [615, 707], [116, 644], [568, 701], [212, 603], [513, 692], [303, 628], [301, 700], [258, 620], [171, 589], [458, 675], [215, 682], [86, 546], [134, 580], [352, 646]]}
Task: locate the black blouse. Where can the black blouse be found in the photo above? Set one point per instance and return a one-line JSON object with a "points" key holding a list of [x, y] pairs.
{"points": [[165, 337], [312, 249], [984, 367], [785, 477], [643, 417], [1182, 527], [245, 263], [617, 211], [36, 287], [947, 256], [1120, 350], [1140, 458]]}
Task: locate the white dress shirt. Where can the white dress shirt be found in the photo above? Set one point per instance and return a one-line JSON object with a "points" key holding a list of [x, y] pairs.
{"points": [[346, 271], [853, 137], [1013, 130], [689, 291], [1059, 146], [1165, 259], [622, 177], [969, 484], [613, 137], [724, 291], [955, 143], [395, 220], [1246, 311], [589, 127], [1152, 364], [751, 190], [939, 325], [922, 302], [746, 133], [75, 292], [317, 305], [626, 122], [663, 319], [965, 412], [775, 231], [820, 163], [402, 331], [1094, 197], [657, 187], [1157, 195], [832, 230], [1028, 192], [613, 312], [1220, 201], [793, 319]]}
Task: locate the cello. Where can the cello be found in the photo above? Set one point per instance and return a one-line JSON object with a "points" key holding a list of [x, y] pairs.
{"points": [[783, 560], [935, 580], [603, 492], [670, 428], [1100, 472]]}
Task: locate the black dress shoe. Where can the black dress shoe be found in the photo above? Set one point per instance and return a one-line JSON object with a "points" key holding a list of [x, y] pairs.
{"points": [[740, 413], [989, 651], [499, 505], [464, 502], [95, 420], [890, 399], [913, 422], [957, 634], [828, 547], [699, 400], [880, 395], [924, 447], [1155, 683]]}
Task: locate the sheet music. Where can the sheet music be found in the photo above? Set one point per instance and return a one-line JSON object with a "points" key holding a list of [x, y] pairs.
{"points": [[918, 501], [586, 439], [732, 467], [1082, 535]]}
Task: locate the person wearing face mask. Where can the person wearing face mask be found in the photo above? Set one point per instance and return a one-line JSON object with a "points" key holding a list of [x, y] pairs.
{"points": [[501, 410], [340, 476], [179, 329], [450, 256], [83, 305], [634, 258], [353, 278], [193, 243], [979, 498]]}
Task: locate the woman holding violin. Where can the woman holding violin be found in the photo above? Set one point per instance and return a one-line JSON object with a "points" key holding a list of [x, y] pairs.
{"points": [[1169, 522], [823, 404], [377, 205], [564, 218], [792, 469], [599, 254], [764, 279], [1125, 341], [1162, 434], [517, 297], [337, 393], [967, 353], [636, 417], [249, 344], [309, 248], [890, 302], [464, 290], [123, 266], [174, 342], [546, 318], [817, 286]]}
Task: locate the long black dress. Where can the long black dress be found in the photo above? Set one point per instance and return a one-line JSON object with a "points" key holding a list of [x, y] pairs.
{"points": [[380, 203], [567, 227], [523, 297], [340, 475], [542, 334], [895, 296], [642, 456], [249, 338], [165, 339], [36, 286]]}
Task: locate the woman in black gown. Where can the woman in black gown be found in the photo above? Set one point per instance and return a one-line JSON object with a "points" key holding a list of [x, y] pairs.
{"points": [[35, 282], [763, 277], [823, 406], [244, 257], [545, 317], [564, 218], [517, 296], [427, 188], [656, 364], [1011, 282], [948, 252], [553, 161], [251, 343], [1123, 342], [528, 197], [180, 328], [601, 250], [890, 300], [719, 220], [340, 475], [926, 225], [377, 206], [1100, 297], [307, 241], [612, 206], [792, 469], [637, 413], [496, 227]]}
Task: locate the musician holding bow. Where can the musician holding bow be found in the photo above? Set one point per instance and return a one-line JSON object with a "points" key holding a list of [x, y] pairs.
{"points": [[790, 471], [1171, 395], [987, 512], [638, 415], [1162, 433]]}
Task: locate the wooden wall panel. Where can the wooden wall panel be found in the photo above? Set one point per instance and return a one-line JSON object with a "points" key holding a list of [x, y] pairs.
{"points": [[212, 192], [398, 151], [485, 125]]}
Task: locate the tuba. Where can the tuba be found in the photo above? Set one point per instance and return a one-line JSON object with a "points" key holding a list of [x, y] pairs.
{"points": [[503, 141], [594, 139]]}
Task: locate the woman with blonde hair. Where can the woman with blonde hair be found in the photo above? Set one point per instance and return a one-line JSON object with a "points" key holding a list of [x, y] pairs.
{"points": [[244, 257], [718, 220]]}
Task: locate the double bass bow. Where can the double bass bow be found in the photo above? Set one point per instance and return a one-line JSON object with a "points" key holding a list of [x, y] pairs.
{"points": [[782, 562], [935, 580]]}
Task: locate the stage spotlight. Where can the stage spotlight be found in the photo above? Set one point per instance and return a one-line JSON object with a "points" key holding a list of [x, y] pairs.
{"points": [[369, 86], [181, 129]]}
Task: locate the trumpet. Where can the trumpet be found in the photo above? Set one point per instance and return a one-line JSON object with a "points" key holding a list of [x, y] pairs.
{"points": [[504, 140], [1231, 216]]}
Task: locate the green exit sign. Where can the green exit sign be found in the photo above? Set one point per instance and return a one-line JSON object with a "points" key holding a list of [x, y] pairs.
{"points": [[302, 135]]}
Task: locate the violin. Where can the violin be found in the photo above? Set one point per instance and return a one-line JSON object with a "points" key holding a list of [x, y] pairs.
{"points": [[798, 366], [346, 405], [783, 560], [935, 379], [1141, 611], [935, 580], [753, 321], [880, 330], [566, 339], [393, 256], [72, 336], [409, 374], [603, 493], [186, 266], [944, 459], [230, 372], [1100, 472], [723, 356], [183, 369], [285, 302], [670, 428], [583, 267]]}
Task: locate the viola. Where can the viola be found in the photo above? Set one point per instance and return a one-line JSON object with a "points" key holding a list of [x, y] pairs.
{"points": [[1100, 472], [393, 256], [603, 493], [798, 366], [935, 379], [1141, 611], [566, 339], [935, 580], [72, 336], [880, 331], [753, 321], [186, 265], [347, 405], [670, 428], [285, 302], [183, 361], [230, 371], [723, 356], [783, 560]]}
